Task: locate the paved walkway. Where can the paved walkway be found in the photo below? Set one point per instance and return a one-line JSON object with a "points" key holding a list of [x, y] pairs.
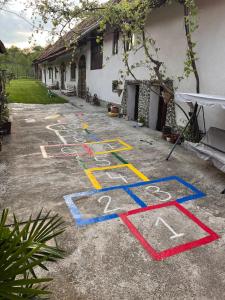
{"points": [[138, 227]]}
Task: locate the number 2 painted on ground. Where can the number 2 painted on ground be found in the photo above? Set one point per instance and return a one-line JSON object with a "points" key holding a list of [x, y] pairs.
{"points": [[106, 209], [175, 234], [156, 189]]}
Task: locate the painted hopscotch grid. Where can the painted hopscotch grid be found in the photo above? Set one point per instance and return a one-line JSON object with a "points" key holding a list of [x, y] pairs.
{"points": [[196, 192], [80, 221], [212, 236], [96, 184], [68, 147], [124, 146]]}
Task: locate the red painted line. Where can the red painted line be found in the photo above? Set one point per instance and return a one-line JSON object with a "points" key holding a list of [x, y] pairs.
{"points": [[175, 250], [66, 155], [88, 150], [62, 145]]}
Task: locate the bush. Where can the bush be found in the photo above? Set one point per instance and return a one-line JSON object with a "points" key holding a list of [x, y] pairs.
{"points": [[23, 248]]}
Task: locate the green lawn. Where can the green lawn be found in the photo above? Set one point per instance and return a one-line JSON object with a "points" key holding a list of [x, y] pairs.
{"points": [[30, 92]]}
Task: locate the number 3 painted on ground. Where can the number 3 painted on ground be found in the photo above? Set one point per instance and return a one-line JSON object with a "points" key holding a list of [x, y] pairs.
{"points": [[156, 189]]}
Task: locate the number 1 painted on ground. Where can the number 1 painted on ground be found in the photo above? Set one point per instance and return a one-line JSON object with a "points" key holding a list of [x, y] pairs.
{"points": [[175, 234]]}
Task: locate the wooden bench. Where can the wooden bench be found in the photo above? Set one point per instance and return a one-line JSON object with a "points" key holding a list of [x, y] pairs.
{"points": [[70, 90], [53, 86]]}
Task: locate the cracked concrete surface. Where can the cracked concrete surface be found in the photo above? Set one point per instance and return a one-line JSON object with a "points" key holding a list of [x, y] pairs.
{"points": [[104, 260]]}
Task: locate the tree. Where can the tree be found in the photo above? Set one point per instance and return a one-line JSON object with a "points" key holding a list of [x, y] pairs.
{"points": [[129, 17], [19, 61]]}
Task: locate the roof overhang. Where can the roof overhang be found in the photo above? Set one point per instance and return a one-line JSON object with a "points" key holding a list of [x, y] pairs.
{"points": [[2, 48]]}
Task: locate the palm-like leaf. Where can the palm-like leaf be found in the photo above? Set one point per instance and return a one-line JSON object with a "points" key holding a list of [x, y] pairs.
{"points": [[23, 248]]}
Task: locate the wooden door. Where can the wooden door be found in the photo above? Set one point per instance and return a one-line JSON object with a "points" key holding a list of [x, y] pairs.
{"points": [[162, 111], [82, 77], [136, 102]]}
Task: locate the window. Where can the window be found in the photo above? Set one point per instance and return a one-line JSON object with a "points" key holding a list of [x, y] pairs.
{"points": [[96, 55], [116, 35], [50, 73], [129, 42], [73, 68]]}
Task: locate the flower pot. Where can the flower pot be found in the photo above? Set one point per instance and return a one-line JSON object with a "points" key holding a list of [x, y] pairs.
{"points": [[164, 136], [174, 137], [140, 124], [114, 109], [167, 130], [6, 128]]}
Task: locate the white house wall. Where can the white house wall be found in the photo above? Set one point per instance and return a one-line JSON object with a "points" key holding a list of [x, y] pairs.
{"points": [[166, 27]]}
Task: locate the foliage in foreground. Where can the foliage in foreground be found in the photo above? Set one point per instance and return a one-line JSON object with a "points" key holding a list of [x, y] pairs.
{"points": [[23, 248]]}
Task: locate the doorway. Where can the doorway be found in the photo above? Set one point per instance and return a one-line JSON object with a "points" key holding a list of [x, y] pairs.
{"points": [[62, 71], [133, 101], [82, 77], [137, 89], [162, 111]]}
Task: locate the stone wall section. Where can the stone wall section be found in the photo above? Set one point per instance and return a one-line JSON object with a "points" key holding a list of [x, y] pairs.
{"points": [[145, 103]]}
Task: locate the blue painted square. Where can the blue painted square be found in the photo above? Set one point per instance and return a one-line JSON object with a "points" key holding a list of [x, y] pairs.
{"points": [[196, 193], [77, 215], [81, 221]]}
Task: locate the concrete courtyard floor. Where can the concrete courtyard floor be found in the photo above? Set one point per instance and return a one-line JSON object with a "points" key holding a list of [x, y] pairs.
{"points": [[113, 257]]}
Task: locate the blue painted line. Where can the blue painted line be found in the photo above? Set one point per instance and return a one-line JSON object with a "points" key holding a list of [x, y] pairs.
{"points": [[136, 199], [81, 194], [94, 137], [81, 221]]}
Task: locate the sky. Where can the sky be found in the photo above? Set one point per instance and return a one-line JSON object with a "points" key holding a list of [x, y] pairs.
{"points": [[14, 31]]}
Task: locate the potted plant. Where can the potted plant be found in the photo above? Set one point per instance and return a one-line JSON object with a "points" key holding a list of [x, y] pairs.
{"points": [[141, 121], [25, 248], [166, 132], [117, 87], [5, 123]]}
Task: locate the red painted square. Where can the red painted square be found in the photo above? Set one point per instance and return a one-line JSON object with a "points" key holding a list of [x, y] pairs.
{"points": [[212, 236], [82, 150]]}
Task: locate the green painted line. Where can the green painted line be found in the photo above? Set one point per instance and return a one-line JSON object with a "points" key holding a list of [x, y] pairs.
{"points": [[120, 158], [81, 163], [113, 153], [88, 131]]}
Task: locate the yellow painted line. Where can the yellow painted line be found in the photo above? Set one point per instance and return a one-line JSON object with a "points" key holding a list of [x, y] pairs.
{"points": [[97, 185], [85, 126], [125, 147]]}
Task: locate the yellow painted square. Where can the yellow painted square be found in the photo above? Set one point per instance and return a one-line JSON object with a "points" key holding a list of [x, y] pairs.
{"points": [[124, 147], [96, 183]]}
